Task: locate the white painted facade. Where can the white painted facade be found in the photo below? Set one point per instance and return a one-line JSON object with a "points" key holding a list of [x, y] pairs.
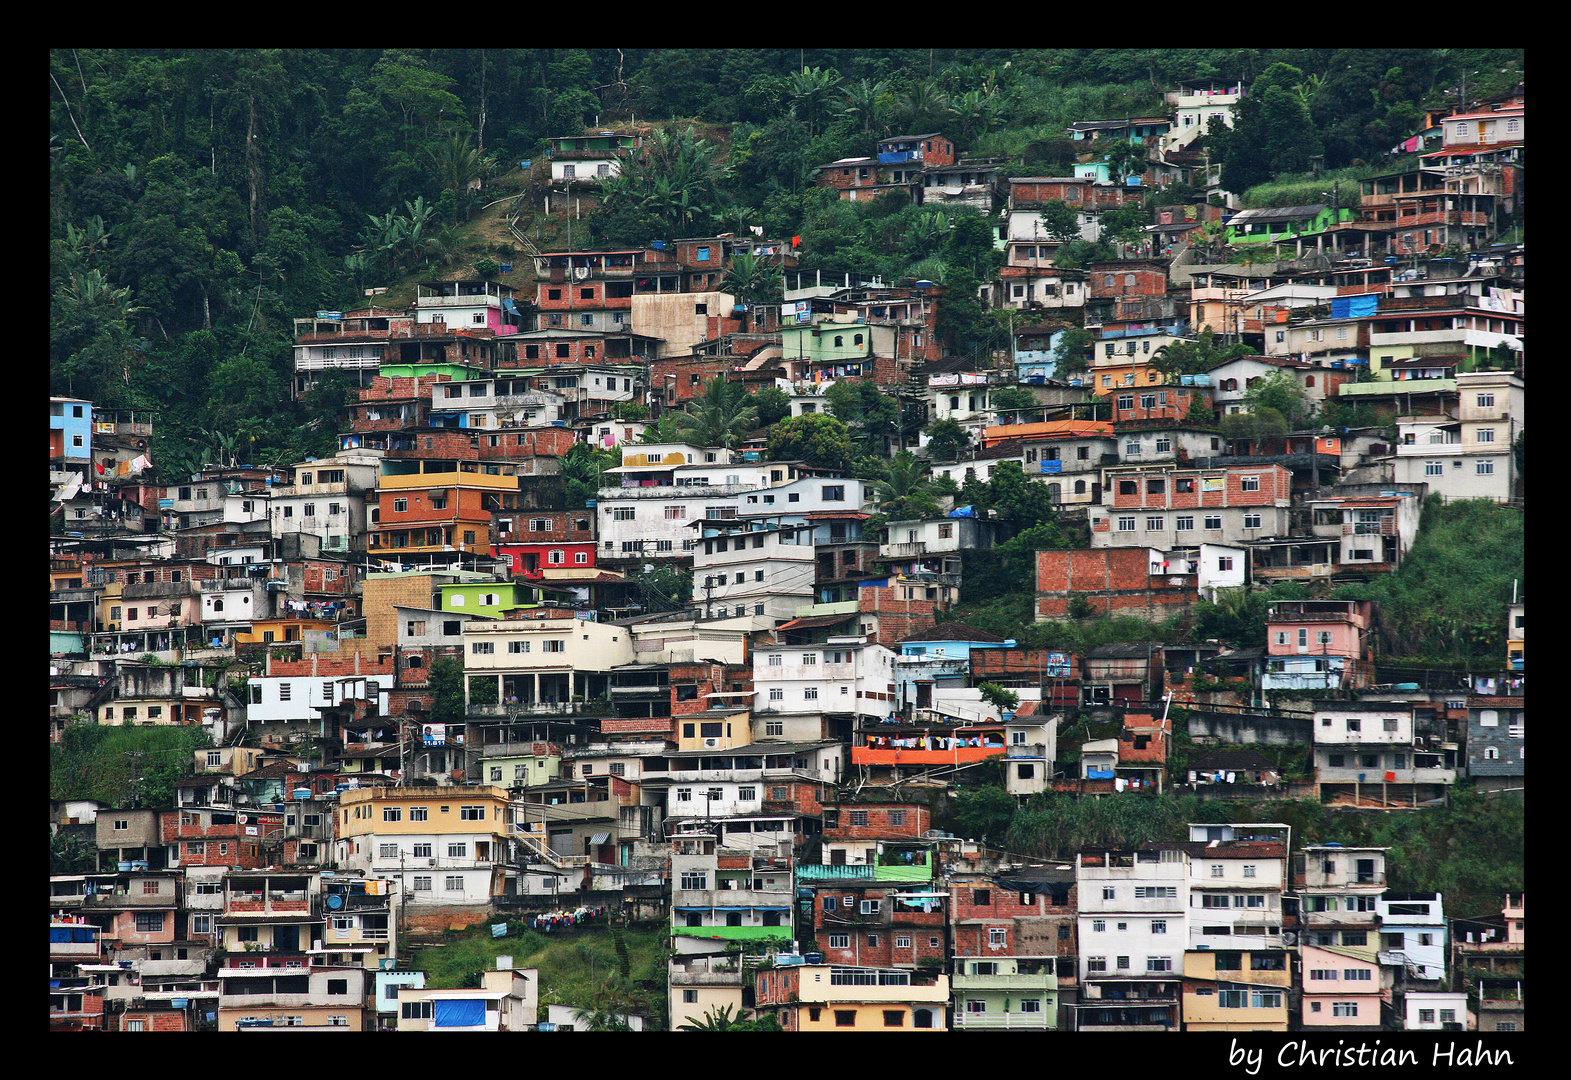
{"points": [[839, 676]]}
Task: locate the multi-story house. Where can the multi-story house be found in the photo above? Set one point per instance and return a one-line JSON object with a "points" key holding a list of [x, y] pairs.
{"points": [[1317, 645], [1489, 956], [729, 894], [830, 997], [1413, 934], [842, 675], [746, 794], [429, 510], [753, 570], [1133, 926], [267, 992], [875, 899], [354, 341], [1236, 971], [328, 497], [534, 542], [474, 304], [1376, 754], [1470, 455], [445, 848], [1172, 508], [216, 836], [1342, 989], [545, 662], [590, 158], [1375, 527], [1013, 940], [1496, 742], [507, 999], [1338, 890]]}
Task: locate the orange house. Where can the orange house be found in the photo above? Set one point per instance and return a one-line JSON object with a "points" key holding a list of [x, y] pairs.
{"points": [[435, 506]]}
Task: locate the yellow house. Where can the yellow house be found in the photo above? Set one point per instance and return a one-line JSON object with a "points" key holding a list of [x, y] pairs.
{"points": [[444, 845], [1115, 374], [832, 997], [1242, 990]]}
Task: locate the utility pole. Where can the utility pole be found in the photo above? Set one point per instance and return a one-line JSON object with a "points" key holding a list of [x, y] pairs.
{"points": [[136, 776]]}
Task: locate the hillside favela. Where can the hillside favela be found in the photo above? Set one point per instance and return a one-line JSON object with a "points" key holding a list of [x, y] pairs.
{"points": [[817, 540]]}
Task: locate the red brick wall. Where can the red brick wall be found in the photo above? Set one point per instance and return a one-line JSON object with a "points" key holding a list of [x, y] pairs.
{"points": [[329, 666], [683, 368], [897, 617], [1150, 280], [710, 679], [547, 441], [1072, 192], [1179, 401], [577, 351], [918, 819], [154, 1021], [1114, 580], [1275, 486], [1030, 929]]}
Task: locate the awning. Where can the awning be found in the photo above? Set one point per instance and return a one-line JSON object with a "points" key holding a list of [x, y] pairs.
{"points": [[815, 620], [599, 838]]}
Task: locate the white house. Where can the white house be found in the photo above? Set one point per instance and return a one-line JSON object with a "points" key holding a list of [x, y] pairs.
{"points": [[843, 675], [754, 570], [1132, 926]]}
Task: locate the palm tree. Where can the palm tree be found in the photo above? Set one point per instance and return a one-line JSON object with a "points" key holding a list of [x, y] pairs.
{"points": [[809, 91], [907, 477], [714, 1020], [458, 164], [752, 279], [720, 417], [923, 105], [861, 102]]}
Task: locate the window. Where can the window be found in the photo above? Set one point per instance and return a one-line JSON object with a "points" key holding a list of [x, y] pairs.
{"points": [[1159, 926], [422, 851], [422, 884], [1344, 1008], [1484, 468], [1213, 522], [149, 921], [1249, 483], [839, 941], [1098, 926], [1251, 521], [1096, 963], [453, 883], [419, 813], [1486, 434], [471, 813], [1108, 892], [1159, 963], [387, 851], [1126, 524], [392, 813]]}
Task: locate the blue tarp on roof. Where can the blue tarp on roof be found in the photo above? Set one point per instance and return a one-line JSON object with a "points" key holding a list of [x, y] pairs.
{"points": [[962, 511], [461, 1013], [1352, 307]]}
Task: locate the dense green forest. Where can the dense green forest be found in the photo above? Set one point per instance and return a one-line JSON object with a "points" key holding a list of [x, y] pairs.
{"points": [[202, 199]]}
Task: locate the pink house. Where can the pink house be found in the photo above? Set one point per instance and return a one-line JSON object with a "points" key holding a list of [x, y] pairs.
{"points": [[1342, 987], [1316, 644]]}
